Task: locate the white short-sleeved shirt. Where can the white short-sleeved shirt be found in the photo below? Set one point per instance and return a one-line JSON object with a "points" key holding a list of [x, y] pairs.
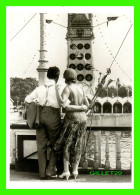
{"points": [[40, 94]]}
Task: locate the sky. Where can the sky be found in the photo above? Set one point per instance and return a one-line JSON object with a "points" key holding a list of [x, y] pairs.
{"points": [[23, 49]]}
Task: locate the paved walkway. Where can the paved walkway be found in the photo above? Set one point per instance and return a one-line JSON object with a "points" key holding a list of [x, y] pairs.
{"points": [[29, 176]]}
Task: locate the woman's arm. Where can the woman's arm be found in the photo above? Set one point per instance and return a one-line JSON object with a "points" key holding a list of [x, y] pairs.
{"points": [[76, 108], [64, 101], [68, 107]]}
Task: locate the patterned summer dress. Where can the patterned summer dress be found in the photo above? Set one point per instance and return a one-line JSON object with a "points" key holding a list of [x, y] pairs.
{"points": [[71, 136]]}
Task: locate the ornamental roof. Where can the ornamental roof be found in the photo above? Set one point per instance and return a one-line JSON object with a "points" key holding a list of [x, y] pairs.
{"points": [[80, 19]]}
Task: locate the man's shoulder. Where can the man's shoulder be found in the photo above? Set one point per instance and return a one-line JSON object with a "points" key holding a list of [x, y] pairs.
{"points": [[42, 86]]}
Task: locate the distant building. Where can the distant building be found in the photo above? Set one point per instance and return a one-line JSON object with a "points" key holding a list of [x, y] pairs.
{"points": [[113, 105]]}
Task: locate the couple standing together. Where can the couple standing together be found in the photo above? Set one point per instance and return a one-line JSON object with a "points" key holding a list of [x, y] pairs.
{"points": [[65, 141]]}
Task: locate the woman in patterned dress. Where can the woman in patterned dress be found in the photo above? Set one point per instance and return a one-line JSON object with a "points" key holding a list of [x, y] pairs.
{"points": [[71, 137]]}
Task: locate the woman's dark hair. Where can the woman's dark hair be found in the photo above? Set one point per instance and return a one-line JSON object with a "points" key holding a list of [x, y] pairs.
{"points": [[70, 76], [53, 72], [69, 81]]}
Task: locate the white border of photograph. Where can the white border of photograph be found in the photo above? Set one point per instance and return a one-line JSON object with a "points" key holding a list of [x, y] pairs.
{"points": [[62, 184]]}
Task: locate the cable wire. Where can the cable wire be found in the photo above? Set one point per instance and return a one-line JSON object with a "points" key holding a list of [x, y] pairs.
{"points": [[60, 25], [120, 46], [23, 27]]}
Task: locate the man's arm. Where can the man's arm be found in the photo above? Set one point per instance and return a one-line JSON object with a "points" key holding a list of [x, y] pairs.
{"points": [[32, 97], [62, 98]]}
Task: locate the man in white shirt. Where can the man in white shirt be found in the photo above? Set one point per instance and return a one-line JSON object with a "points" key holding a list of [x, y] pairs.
{"points": [[50, 121]]}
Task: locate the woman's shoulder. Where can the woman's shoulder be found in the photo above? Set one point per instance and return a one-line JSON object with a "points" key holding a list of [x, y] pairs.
{"points": [[66, 90]]}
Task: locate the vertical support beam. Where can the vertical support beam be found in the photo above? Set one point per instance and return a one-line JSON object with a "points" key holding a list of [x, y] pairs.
{"points": [[117, 120], [122, 108], [111, 108], [101, 108], [107, 162], [85, 162], [42, 68], [118, 150], [96, 151]]}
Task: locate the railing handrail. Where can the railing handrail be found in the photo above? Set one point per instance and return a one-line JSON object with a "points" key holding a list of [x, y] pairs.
{"points": [[93, 128]]}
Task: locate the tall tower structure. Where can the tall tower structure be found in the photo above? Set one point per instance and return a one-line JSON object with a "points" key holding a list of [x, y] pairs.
{"points": [[42, 68], [79, 39]]}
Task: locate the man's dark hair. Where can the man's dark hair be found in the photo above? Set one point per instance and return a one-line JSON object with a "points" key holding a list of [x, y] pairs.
{"points": [[53, 72]]}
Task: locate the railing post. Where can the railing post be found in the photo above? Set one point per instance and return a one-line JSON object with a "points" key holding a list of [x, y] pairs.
{"points": [[85, 162], [118, 150], [96, 151], [111, 108], [107, 162], [101, 108]]}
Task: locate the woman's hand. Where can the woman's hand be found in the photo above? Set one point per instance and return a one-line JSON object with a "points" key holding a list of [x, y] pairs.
{"points": [[84, 107]]}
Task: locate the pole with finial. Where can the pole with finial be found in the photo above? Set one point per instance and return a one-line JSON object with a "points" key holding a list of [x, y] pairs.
{"points": [[42, 68]]}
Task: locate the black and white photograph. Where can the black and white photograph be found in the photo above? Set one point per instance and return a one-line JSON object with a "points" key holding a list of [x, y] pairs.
{"points": [[70, 97]]}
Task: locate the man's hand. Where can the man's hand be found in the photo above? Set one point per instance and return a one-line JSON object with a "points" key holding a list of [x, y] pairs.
{"points": [[26, 104]]}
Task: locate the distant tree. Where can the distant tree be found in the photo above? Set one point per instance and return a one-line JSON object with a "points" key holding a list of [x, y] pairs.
{"points": [[20, 88]]}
